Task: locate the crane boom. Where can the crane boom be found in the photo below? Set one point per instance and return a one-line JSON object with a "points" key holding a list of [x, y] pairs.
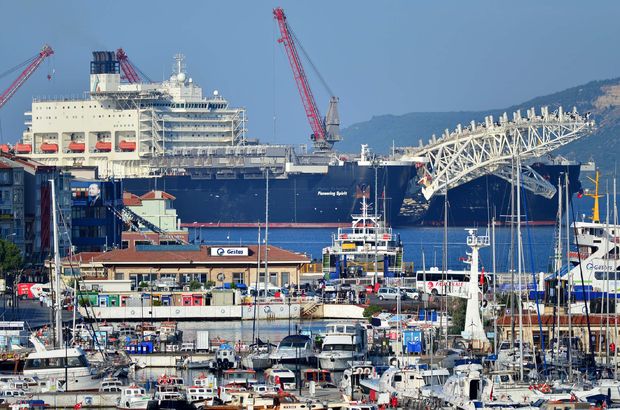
{"points": [[320, 136], [128, 70], [45, 52]]}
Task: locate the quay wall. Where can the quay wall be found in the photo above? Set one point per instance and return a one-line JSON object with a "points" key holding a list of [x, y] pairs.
{"points": [[228, 312], [341, 311]]}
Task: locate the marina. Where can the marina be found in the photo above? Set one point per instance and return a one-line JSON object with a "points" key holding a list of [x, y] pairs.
{"points": [[156, 254]]}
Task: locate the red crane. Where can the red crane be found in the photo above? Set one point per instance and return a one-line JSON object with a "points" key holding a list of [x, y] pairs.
{"points": [[130, 73], [323, 137], [33, 64]]}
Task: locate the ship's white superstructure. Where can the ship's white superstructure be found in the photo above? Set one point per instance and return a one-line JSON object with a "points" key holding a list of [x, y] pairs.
{"points": [[118, 126]]}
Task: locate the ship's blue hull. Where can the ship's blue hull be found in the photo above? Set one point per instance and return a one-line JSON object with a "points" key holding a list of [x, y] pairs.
{"points": [[329, 199], [303, 198]]}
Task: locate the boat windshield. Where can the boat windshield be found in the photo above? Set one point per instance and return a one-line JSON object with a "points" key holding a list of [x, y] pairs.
{"points": [[435, 380], [56, 362], [334, 347]]}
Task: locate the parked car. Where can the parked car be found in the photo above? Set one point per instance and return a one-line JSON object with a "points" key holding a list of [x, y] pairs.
{"points": [[412, 293], [390, 294]]}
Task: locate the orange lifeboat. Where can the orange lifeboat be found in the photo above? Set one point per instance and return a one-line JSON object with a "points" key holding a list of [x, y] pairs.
{"points": [[5, 148], [45, 147], [23, 148], [127, 145], [103, 146], [77, 146]]}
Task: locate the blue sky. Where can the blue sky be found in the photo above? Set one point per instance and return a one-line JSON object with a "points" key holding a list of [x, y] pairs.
{"points": [[379, 57]]}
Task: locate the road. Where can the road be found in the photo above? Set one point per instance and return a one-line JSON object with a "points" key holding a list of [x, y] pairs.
{"points": [[29, 311]]}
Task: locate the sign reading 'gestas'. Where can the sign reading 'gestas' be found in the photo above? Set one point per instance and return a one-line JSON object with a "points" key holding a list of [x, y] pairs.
{"points": [[240, 251]]}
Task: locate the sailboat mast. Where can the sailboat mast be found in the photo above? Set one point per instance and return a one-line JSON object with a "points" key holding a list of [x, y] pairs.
{"points": [[558, 269], [266, 230], [615, 338], [256, 288], [57, 302], [570, 282], [607, 231], [495, 338], [445, 258], [519, 267]]}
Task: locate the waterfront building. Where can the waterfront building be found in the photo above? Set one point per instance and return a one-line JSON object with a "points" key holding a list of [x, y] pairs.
{"points": [[94, 207], [179, 265], [599, 327], [26, 206], [156, 207]]}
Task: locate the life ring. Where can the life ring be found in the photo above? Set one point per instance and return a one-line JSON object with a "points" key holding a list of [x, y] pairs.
{"points": [[4, 356], [267, 309], [133, 312], [359, 370], [221, 277], [367, 370]]}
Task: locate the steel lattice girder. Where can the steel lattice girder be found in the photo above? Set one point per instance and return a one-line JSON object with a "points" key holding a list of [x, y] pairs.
{"points": [[530, 180], [480, 149]]}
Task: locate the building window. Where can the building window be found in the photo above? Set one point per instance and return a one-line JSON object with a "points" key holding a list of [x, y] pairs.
{"points": [[238, 277], [285, 278], [273, 278]]}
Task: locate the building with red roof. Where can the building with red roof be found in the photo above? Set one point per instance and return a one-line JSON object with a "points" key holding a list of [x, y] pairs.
{"points": [[182, 264]]}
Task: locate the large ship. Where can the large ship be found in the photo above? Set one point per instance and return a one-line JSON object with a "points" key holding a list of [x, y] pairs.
{"points": [[169, 136]]}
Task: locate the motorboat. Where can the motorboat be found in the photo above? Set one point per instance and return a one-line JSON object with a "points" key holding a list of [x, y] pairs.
{"points": [[238, 377], [410, 383], [133, 397], [225, 357], [55, 365], [342, 344], [168, 332], [111, 385], [294, 350], [281, 377], [351, 377]]}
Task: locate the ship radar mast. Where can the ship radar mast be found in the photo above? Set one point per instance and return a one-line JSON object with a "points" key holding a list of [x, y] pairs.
{"points": [[595, 209], [178, 68]]}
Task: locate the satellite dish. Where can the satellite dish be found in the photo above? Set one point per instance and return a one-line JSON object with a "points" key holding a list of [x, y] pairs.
{"points": [[216, 93]]}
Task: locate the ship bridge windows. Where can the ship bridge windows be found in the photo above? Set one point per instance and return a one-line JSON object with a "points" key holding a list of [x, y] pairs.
{"points": [[612, 275]]}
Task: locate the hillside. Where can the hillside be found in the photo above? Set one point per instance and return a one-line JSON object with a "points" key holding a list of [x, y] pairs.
{"points": [[601, 98]]}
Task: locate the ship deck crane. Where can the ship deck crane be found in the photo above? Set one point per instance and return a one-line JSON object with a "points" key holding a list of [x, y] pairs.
{"points": [[131, 73], [31, 66], [325, 131]]}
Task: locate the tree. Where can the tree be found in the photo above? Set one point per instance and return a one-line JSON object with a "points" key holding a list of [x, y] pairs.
{"points": [[457, 310], [10, 257]]}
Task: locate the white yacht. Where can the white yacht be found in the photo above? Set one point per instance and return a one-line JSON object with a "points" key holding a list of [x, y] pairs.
{"points": [[54, 364], [293, 350], [411, 383], [342, 344]]}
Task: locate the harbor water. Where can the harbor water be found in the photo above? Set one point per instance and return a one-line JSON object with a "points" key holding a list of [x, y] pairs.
{"points": [[538, 244]]}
